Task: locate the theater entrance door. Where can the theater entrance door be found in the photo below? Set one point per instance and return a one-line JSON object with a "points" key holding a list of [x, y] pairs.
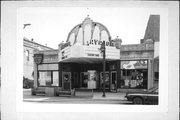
{"points": [[66, 80]]}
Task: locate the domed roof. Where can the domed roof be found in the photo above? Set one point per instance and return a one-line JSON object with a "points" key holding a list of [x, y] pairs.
{"points": [[86, 30]]}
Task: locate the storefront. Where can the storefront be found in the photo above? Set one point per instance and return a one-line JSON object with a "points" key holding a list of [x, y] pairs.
{"points": [[81, 60], [79, 74], [78, 62], [134, 74]]}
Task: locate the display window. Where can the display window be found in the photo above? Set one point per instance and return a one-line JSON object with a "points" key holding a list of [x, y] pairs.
{"points": [[134, 74], [48, 78]]}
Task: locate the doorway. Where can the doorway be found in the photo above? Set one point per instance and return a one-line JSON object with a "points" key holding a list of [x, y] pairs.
{"points": [[83, 79], [66, 80], [114, 81]]}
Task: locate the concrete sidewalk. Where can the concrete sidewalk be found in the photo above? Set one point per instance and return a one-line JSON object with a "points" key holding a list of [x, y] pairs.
{"points": [[109, 95], [79, 96]]}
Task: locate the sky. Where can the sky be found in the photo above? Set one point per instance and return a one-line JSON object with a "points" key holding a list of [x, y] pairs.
{"points": [[51, 25]]}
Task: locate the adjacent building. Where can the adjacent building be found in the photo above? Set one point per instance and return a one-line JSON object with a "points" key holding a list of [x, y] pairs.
{"points": [[28, 61], [142, 60]]}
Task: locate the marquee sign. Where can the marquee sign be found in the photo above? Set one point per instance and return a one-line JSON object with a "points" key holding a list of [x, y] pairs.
{"points": [[100, 42], [91, 42], [38, 58], [85, 40]]}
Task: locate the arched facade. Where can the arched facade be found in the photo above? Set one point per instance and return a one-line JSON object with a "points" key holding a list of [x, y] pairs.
{"points": [[88, 33]]}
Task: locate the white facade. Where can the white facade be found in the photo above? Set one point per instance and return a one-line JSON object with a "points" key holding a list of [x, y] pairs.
{"points": [[84, 42], [28, 60]]}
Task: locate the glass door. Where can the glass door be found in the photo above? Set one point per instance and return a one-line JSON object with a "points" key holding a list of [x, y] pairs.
{"points": [[114, 81]]}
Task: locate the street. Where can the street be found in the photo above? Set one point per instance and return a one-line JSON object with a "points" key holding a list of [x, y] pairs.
{"points": [[80, 98]]}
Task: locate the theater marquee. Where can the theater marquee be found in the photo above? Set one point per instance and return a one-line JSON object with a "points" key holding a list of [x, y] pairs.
{"points": [[84, 42]]}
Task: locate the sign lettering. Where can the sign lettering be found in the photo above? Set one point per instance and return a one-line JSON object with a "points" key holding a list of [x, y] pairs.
{"points": [[96, 55], [99, 42]]}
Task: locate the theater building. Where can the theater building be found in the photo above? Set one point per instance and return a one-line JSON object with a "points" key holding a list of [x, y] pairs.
{"points": [[79, 62]]}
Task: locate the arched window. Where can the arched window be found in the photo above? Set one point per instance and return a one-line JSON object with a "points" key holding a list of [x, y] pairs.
{"points": [[27, 54]]}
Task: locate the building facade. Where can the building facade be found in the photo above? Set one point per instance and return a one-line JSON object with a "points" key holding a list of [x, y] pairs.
{"points": [[142, 60], [28, 61], [78, 63]]}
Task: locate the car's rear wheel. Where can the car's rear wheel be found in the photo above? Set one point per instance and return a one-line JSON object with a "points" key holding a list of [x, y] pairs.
{"points": [[138, 100]]}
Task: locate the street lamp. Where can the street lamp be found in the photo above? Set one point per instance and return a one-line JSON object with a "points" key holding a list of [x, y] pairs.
{"points": [[103, 50]]}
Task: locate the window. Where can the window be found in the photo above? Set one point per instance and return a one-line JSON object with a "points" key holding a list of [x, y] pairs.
{"points": [[134, 74], [55, 78], [156, 76], [27, 54], [134, 79], [48, 78]]}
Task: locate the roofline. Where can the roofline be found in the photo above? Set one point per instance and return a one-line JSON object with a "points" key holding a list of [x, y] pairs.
{"points": [[25, 39]]}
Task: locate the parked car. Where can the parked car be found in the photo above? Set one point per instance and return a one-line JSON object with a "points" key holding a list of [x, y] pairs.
{"points": [[27, 83], [144, 97]]}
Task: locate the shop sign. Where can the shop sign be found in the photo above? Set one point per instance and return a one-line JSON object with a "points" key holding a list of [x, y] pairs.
{"points": [[140, 64], [38, 58]]}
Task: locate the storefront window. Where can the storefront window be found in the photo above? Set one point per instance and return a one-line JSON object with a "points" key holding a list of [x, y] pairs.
{"points": [[134, 74], [55, 78], [48, 78]]}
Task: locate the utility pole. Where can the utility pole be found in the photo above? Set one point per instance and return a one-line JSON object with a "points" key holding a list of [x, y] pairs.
{"points": [[103, 50]]}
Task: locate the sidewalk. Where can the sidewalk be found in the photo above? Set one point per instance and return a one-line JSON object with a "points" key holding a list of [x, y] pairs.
{"points": [[80, 96]]}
